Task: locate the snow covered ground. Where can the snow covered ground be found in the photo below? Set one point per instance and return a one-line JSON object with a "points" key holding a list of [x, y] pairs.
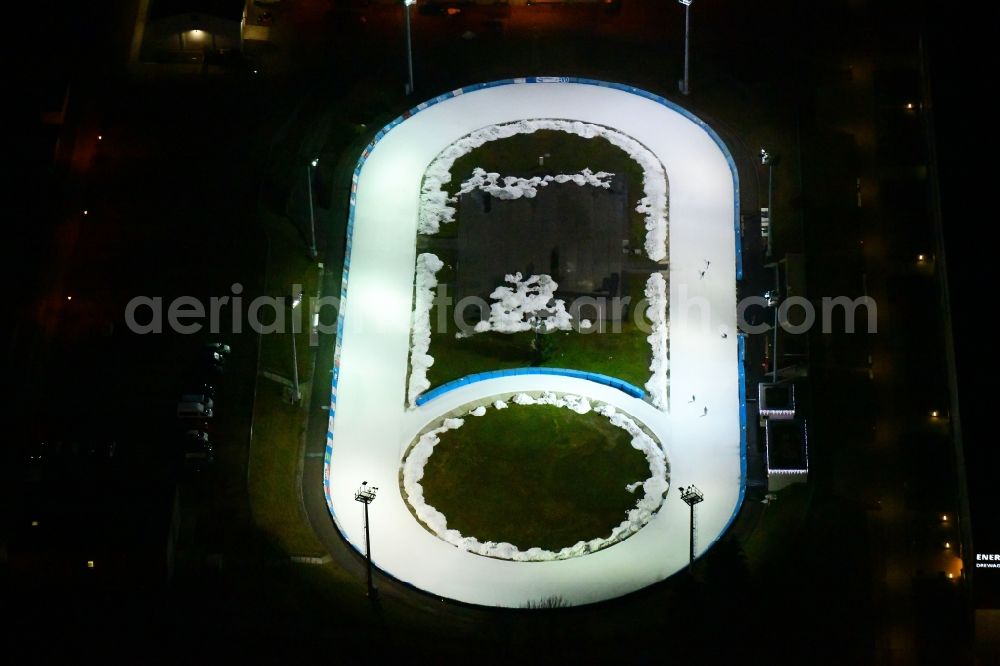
{"points": [[372, 427], [512, 187]]}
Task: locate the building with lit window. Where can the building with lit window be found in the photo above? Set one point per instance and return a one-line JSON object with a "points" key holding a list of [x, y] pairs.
{"points": [[187, 30]]}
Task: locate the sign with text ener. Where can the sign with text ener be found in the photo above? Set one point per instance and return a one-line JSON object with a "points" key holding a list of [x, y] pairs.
{"points": [[988, 560]]}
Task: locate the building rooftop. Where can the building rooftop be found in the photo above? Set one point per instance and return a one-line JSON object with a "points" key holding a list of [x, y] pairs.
{"points": [[787, 446], [776, 401]]}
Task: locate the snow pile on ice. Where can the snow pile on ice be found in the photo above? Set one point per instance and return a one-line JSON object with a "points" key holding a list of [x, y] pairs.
{"points": [[436, 207], [578, 404], [510, 187], [426, 280], [656, 293], [654, 488], [413, 472], [525, 305]]}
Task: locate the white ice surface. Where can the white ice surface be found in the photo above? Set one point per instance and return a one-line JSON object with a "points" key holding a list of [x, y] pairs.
{"points": [[372, 428]]}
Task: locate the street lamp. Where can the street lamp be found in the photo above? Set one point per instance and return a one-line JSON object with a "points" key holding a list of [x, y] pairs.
{"points": [[296, 393], [312, 213], [765, 221], [687, 31], [691, 496], [409, 46], [768, 161], [366, 495]]}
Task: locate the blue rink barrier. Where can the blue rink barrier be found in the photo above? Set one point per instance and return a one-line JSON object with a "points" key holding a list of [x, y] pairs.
{"points": [[613, 382]]}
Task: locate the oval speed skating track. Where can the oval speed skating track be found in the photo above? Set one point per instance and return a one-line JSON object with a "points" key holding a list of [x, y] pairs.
{"points": [[370, 426]]}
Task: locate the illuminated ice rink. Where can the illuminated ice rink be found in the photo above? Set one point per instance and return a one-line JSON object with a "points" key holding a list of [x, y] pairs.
{"points": [[372, 427]]}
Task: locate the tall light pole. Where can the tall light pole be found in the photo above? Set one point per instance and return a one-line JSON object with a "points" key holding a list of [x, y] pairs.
{"points": [[366, 495], [766, 160], [687, 32], [296, 393], [409, 45], [312, 213], [691, 496]]}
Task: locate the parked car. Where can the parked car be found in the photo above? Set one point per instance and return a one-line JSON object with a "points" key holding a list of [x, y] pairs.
{"points": [[193, 410], [199, 458], [199, 398], [195, 436], [215, 363], [196, 449]]}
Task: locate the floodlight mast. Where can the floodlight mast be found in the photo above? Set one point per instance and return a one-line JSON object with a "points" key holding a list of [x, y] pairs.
{"points": [[312, 211], [366, 495], [296, 299], [768, 161], [409, 44], [691, 496], [687, 32]]}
